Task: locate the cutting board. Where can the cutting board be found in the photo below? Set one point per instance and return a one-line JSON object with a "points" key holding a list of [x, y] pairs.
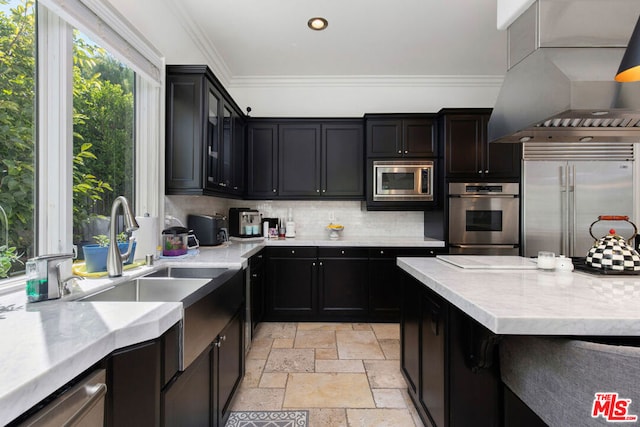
{"points": [[496, 262]]}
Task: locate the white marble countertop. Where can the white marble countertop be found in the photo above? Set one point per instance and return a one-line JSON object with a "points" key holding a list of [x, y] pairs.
{"points": [[46, 344], [535, 302], [373, 241]]}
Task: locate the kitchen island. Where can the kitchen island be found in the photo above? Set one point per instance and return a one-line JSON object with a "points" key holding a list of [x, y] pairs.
{"points": [[558, 337], [47, 344]]}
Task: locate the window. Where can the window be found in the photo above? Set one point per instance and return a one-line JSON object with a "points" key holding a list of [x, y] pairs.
{"points": [[17, 134], [80, 109], [103, 137]]}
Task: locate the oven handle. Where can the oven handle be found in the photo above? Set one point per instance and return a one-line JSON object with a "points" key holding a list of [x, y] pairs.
{"points": [[484, 196], [483, 246]]}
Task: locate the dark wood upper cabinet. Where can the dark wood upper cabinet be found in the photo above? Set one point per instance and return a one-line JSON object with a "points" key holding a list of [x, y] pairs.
{"points": [[468, 154], [299, 160], [262, 160], [185, 159], [393, 135], [203, 153], [305, 159], [342, 163]]}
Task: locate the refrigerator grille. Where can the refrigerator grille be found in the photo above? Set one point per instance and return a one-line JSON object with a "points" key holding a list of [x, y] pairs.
{"points": [[578, 151]]}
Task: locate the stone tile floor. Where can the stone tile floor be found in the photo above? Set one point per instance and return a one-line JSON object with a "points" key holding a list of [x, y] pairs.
{"points": [[345, 374]]}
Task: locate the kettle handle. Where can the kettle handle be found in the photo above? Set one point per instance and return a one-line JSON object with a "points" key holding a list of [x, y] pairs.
{"points": [[614, 218]]}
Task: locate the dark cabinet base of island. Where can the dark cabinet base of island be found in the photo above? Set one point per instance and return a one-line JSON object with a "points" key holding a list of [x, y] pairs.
{"points": [[448, 361], [451, 365]]}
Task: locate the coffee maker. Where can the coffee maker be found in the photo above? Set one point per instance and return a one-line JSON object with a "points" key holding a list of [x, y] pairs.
{"points": [[245, 222]]}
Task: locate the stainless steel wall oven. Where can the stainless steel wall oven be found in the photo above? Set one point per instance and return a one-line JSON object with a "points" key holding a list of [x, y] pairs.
{"points": [[484, 218]]}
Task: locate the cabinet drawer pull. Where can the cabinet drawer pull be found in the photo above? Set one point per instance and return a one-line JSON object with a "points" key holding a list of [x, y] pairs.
{"points": [[342, 252], [99, 391], [381, 252], [293, 251]]}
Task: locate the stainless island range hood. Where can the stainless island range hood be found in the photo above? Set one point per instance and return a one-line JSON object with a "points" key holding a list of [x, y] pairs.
{"points": [[560, 87]]}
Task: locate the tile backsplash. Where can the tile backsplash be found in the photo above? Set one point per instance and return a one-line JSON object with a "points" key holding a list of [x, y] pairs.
{"points": [[311, 216]]}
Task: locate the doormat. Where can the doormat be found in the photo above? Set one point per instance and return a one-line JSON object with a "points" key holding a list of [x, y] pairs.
{"points": [[268, 419]]}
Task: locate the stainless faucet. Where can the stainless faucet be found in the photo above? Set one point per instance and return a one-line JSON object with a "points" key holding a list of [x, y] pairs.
{"points": [[114, 257]]}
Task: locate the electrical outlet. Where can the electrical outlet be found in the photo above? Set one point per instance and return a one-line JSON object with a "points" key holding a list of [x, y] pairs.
{"points": [[332, 216]]}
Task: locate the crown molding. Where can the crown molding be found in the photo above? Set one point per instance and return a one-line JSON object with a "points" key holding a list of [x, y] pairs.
{"points": [[202, 42], [365, 81]]}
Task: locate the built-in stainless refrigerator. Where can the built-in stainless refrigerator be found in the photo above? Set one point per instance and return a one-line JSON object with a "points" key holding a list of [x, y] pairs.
{"points": [[565, 189]]}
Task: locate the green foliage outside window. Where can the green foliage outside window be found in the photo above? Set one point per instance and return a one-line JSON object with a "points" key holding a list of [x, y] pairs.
{"points": [[103, 123]]}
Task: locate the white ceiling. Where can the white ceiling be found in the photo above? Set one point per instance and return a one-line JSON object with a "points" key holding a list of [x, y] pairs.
{"points": [[365, 38]]}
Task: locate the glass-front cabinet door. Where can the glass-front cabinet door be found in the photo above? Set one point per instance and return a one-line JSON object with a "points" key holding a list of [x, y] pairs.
{"points": [[213, 140], [226, 164]]}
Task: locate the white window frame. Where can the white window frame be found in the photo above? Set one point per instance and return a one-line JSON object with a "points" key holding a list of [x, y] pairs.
{"points": [[103, 24], [54, 179]]}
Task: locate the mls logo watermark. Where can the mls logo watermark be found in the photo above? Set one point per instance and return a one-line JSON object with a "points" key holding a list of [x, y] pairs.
{"points": [[612, 408]]}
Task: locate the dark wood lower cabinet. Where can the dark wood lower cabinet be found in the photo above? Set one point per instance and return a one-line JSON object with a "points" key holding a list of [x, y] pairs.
{"points": [[433, 331], [227, 367], [257, 288], [343, 283], [144, 386], [292, 284], [133, 386], [448, 361], [186, 400], [335, 283]]}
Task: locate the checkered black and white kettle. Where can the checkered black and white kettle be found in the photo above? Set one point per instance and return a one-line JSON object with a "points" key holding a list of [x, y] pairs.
{"points": [[612, 252]]}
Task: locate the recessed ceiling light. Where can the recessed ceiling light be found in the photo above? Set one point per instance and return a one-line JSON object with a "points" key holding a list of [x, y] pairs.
{"points": [[317, 23]]}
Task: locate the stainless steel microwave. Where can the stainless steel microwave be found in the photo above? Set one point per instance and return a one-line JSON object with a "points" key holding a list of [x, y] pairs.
{"points": [[398, 180]]}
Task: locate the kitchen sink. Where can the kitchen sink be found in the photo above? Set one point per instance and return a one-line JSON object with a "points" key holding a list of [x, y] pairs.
{"points": [[189, 273], [149, 289], [186, 285]]}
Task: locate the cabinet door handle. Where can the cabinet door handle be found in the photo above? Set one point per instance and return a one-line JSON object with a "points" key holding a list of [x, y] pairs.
{"points": [[223, 338], [486, 171], [381, 252], [274, 190], [99, 391], [320, 263], [399, 151], [293, 251], [406, 151], [254, 275], [313, 264], [324, 191], [318, 190], [217, 344], [342, 252]]}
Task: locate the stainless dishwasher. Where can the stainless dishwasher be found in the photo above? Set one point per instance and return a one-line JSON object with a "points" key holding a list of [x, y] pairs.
{"points": [[80, 406]]}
